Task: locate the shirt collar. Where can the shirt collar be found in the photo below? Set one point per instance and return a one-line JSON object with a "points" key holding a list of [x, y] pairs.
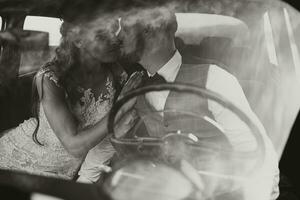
{"points": [[170, 69]]}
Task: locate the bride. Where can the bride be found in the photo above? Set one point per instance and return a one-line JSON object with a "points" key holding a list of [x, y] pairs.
{"points": [[73, 94]]}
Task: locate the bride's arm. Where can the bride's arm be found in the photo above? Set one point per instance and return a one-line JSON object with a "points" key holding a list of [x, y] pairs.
{"points": [[76, 142]]}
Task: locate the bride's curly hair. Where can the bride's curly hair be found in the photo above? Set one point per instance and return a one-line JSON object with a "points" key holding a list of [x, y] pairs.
{"points": [[66, 58]]}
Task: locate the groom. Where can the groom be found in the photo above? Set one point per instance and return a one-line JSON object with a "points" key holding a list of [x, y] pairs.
{"points": [[148, 38]]}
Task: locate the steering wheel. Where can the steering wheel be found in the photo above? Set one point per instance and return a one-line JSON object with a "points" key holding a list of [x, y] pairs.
{"points": [[188, 139], [153, 177]]}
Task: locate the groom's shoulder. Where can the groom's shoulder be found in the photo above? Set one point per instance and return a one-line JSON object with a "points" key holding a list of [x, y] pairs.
{"points": [[196, 67], [195, 60], [194, 63]]}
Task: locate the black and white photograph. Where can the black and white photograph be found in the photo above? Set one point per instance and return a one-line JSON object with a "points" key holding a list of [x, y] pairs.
{"points": [[149, 100]]}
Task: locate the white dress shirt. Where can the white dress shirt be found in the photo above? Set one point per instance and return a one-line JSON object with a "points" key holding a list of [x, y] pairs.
{"points": [[169, 71]]}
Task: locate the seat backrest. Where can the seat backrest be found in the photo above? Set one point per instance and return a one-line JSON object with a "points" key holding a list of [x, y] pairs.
{"points": [[193, 27], [213, 37]]}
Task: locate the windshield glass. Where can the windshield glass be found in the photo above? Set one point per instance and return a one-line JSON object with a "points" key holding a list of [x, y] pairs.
{"points": [[67, 68]]}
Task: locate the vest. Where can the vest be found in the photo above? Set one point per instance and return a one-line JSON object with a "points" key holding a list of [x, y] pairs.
{"points": [[182, 110]]}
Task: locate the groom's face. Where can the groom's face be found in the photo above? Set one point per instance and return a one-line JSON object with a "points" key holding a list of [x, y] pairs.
{"points": [[131, 40]]}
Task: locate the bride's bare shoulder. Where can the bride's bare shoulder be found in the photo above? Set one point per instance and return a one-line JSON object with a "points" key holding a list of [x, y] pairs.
{"points": [[47, 81]]}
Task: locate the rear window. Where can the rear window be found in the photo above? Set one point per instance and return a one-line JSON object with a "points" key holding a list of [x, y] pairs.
{"points": [[32, 60], [46, 24]]}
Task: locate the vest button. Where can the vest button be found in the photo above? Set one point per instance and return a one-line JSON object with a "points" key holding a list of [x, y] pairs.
{"points": [[166, 124]]}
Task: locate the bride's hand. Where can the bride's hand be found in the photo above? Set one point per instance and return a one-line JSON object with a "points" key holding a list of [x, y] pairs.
{"points": [[125, 118], [132, 83]]}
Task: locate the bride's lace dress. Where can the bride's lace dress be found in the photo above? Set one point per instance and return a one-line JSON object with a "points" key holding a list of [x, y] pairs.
{"points": [[19, 152]]}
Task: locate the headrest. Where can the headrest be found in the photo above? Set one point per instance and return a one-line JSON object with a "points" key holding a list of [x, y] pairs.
{"points": [[193, 27], [27, 40]]}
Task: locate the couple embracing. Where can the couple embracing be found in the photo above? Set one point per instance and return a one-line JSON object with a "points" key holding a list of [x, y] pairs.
{"points": [[75, 91]]}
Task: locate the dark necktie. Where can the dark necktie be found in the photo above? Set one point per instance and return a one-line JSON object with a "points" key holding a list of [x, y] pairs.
{"points": [[156, 79]]}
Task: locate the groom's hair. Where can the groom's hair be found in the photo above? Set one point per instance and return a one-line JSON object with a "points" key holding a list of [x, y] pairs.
{"points": [[158, 20], [152, 20], [142, 23]]}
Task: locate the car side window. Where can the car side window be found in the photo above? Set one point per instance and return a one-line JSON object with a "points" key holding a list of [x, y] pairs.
{"points": [[50, 25]]}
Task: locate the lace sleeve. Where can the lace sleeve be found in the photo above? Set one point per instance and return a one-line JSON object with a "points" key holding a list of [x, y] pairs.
{"points": [[123, 78], [47, 72]]}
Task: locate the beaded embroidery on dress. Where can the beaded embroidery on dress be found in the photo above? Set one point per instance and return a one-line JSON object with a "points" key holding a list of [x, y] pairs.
{"points": [[19, 152], [93, 110]]}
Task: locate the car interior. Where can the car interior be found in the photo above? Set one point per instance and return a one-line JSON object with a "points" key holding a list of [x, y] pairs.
{"points": [[243, 43]]}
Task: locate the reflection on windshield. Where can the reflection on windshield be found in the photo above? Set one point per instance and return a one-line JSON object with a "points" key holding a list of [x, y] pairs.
{"points": [[265, 61], [257, 42]]}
